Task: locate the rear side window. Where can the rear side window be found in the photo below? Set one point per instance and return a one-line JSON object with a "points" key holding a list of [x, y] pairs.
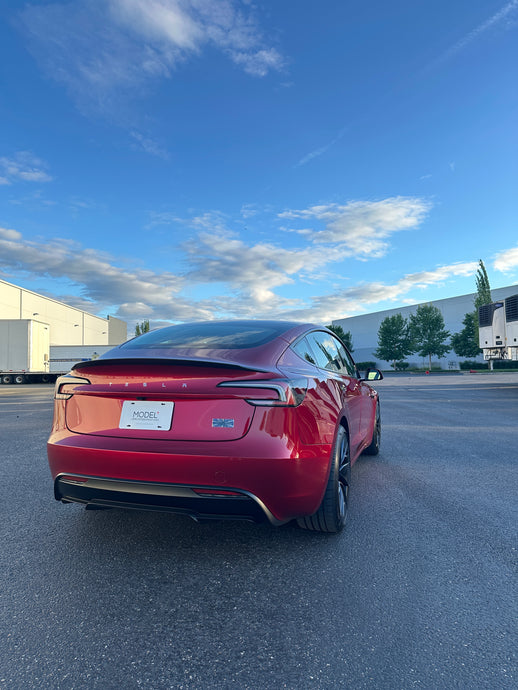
{"points": [[326, 351], [350, 366], [303, 349]]}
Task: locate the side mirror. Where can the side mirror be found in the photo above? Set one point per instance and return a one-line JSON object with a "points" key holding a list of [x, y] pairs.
{"points": [[373, 375]]}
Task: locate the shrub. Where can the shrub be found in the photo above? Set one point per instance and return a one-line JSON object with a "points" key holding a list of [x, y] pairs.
{"points": [[505, 364], [477, 366]]}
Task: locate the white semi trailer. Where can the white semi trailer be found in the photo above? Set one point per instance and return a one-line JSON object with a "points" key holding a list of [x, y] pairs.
{"points": [[24, 350], [63, 357], [26, 355], [498, 329]]}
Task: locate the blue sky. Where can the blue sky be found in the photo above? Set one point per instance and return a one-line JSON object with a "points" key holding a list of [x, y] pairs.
{"points": [[194, 159]]}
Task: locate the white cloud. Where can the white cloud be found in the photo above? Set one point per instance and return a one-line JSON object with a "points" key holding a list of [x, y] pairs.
{"points": [[101, 281], [24, 166], [109, 51], [363, 226], [506, 261], [159, 21], [218, 256], [10, 235]]}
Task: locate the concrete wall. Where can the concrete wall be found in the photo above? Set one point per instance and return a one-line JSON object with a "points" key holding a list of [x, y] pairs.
{"points": [[68, 325], [364, 328], [117, 331]]}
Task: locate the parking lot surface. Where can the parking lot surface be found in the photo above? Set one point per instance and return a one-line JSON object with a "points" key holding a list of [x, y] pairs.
{"points": [[419, 591]]}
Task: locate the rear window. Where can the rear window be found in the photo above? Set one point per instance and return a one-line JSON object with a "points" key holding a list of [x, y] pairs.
{"points": [[213, 335]]}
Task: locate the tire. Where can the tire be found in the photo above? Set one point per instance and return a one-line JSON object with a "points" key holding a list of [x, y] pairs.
{"points": [[7, 378], [374, 447], [332, 513], [19, 378]]}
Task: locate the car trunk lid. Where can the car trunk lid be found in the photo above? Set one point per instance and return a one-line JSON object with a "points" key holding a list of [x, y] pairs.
{"points": [[164, 399]]}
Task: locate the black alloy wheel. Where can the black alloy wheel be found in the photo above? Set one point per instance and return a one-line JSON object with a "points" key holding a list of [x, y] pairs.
{"points": [[374, 447], [332, 513]]}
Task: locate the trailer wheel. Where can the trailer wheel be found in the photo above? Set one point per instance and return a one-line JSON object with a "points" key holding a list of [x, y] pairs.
{"points": [[7, 379], [19, 378]]}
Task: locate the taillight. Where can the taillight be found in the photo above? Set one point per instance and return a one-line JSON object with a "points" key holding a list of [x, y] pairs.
{"points": [[274, 392], [66, 385]]}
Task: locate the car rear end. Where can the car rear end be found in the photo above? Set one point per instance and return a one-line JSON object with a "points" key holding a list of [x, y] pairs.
{"points": [[192, 435]]}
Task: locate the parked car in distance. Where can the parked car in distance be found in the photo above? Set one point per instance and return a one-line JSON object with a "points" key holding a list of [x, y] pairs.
{"points": [[254, 420]]}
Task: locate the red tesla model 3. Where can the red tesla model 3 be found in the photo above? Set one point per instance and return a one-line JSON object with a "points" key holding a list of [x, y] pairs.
{"points": [[254, 420]]}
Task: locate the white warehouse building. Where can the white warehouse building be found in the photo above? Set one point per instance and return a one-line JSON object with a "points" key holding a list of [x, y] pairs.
{"points": [[67, 325], [41, 338], [364, 328]]}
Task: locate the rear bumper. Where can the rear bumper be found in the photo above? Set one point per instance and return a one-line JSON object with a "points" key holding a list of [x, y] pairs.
{"points": [[199, 503], [273, 479]]}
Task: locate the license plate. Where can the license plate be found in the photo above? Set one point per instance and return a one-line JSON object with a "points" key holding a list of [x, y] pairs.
{"points": [[146, 414]]}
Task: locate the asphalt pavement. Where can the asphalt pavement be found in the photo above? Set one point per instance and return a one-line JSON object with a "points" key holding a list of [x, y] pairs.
{"points": [[419, 591]]}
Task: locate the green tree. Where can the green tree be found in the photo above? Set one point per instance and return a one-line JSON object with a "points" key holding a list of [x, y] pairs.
{"points": [[483, 287], [465, 343], [428, 332], [346, 338], [143, 327], [394, 339]]}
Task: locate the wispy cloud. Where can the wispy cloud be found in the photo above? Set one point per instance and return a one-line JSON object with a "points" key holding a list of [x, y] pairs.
{"points": [[496, 20], [316, 153], [108, 51], [148, 145], [23, 166]]}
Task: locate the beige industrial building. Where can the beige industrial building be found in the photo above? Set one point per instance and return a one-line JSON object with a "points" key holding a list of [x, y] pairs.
{"points": [[66, 325], [364, 328]]}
